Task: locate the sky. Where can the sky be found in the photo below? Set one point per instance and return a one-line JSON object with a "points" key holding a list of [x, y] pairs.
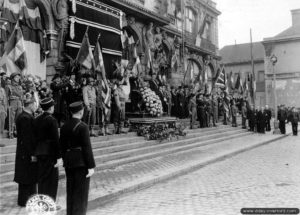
{"points": [[266, 18]]}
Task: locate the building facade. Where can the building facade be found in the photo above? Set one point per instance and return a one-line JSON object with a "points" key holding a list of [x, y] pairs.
{"points": [[286, 47], [237, 60]]}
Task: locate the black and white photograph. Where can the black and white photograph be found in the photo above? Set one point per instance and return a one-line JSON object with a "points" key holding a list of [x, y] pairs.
{"points": [[149, 107]]}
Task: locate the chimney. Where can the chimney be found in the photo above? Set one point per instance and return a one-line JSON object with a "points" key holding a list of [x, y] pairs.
{"points": [[295, 17]]}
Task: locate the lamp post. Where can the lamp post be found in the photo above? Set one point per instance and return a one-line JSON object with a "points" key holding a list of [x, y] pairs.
{"points": [[273, 60]]}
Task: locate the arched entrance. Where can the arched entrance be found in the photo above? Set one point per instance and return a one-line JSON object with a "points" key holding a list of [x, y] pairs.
{"points": [[210, 73], [196, 70]]}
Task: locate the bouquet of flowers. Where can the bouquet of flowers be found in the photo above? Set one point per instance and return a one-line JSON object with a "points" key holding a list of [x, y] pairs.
{"points": [[152, 101]]}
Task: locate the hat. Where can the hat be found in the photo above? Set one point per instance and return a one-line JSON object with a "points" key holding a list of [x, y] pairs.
{"points": [[14, 74], [46, 103], [28, 99], [76, 107]]}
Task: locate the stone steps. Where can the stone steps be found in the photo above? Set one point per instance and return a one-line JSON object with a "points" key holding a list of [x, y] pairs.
{"points": [[117, 150]]}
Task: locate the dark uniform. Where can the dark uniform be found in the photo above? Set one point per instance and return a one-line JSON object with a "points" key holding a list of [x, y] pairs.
{"points": [[174, 107], [282, 117], [261, 122], [215, 110], [201, 112], [294, 118], [77, 182], [180, 100], [268, 116], [25, 169], [252, 119], [47, 151]]}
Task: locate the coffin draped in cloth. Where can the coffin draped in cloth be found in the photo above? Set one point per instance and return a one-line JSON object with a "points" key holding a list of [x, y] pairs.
{"points": [[102, 19]]}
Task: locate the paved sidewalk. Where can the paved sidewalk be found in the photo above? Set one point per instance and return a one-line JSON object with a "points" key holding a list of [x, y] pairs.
{"points": [[109, 184], [268, 176]]}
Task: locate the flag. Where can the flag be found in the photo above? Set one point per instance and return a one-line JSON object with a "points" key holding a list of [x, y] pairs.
{"points": [[188, 77], [14, 57], [245, 87], [201, 31], [99, 66], [85, 54], [238, 82], [220, 81]]}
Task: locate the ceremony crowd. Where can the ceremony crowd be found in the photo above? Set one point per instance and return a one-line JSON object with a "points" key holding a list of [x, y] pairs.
{"points": [[33, 112]]}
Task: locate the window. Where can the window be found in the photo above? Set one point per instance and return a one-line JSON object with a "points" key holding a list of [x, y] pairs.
{"points": [[261, 76], [189, 20]]}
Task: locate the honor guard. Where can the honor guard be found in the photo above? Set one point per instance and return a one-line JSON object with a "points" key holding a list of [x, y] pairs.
{"points": [[78, 158], [119, 112], [47, 150], [15, 96]]}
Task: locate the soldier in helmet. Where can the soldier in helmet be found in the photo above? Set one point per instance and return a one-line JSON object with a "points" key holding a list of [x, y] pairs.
{"points": [[119, 111], [15, 95]]}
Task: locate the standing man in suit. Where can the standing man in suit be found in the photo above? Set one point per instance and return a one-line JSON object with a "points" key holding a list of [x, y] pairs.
{"points": [[47, 151], [282, 117], [78, 159], [25, 163], [294, 118]]}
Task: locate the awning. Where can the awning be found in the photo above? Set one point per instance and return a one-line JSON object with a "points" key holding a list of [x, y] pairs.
{"points": [[138, 12]]}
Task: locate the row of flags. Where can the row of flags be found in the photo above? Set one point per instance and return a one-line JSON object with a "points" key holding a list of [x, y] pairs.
{"points": [[248, 85], [94, 61]]}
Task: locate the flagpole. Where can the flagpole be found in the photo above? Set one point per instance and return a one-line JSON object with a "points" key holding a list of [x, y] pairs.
{"points": [[252, 68]]}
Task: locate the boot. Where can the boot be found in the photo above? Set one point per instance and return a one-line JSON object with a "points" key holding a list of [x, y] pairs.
{"points": [[93, 133], [117, 129]]}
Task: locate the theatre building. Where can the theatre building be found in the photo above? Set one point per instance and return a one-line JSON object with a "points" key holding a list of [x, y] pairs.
{"points": [[186, 30]]}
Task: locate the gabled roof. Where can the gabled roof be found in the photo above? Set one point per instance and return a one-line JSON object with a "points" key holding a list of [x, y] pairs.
{"points": [[290, 32], [241, 53]]}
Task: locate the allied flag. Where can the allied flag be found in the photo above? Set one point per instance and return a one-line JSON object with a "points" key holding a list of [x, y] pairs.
{"points": [[245, 87], [238, 82], [201, 31], [85, 53], [221, 80], [105, 89], [230, 80], [14, 57], [188, 76]]}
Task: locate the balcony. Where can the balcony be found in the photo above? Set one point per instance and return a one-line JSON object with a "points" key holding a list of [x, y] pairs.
{"points": [[207, 45]]}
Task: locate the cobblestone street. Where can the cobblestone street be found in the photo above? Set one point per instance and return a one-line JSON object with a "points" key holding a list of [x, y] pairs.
{"points": [[268, 176]]}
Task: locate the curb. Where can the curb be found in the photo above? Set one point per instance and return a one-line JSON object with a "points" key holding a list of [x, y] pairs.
{"points": [[93, 204]]}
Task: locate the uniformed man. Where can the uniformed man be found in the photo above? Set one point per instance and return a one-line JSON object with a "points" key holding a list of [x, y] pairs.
{"points": [[174, 111], [261, 120], [252, 118], [25, 163], [201, 111], [192, 107], [47, 150], [268, 116], [215, 109], [104, 106], [244, 115], [119, 112], [282, 117], [89, 99], [234, 111], [3, 110], [78, 160], [15, 95], [294, 118], [180, 100]]}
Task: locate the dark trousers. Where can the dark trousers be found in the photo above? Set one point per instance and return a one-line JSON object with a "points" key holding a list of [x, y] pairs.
{"points": [[295, 128], [282, 127], [244, 122], [234, 124], [77, 191], [47, 177], [268, 125], [25, 191]]}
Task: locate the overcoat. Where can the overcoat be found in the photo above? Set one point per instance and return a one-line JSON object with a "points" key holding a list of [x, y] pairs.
{"points": [[25, 170]]}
